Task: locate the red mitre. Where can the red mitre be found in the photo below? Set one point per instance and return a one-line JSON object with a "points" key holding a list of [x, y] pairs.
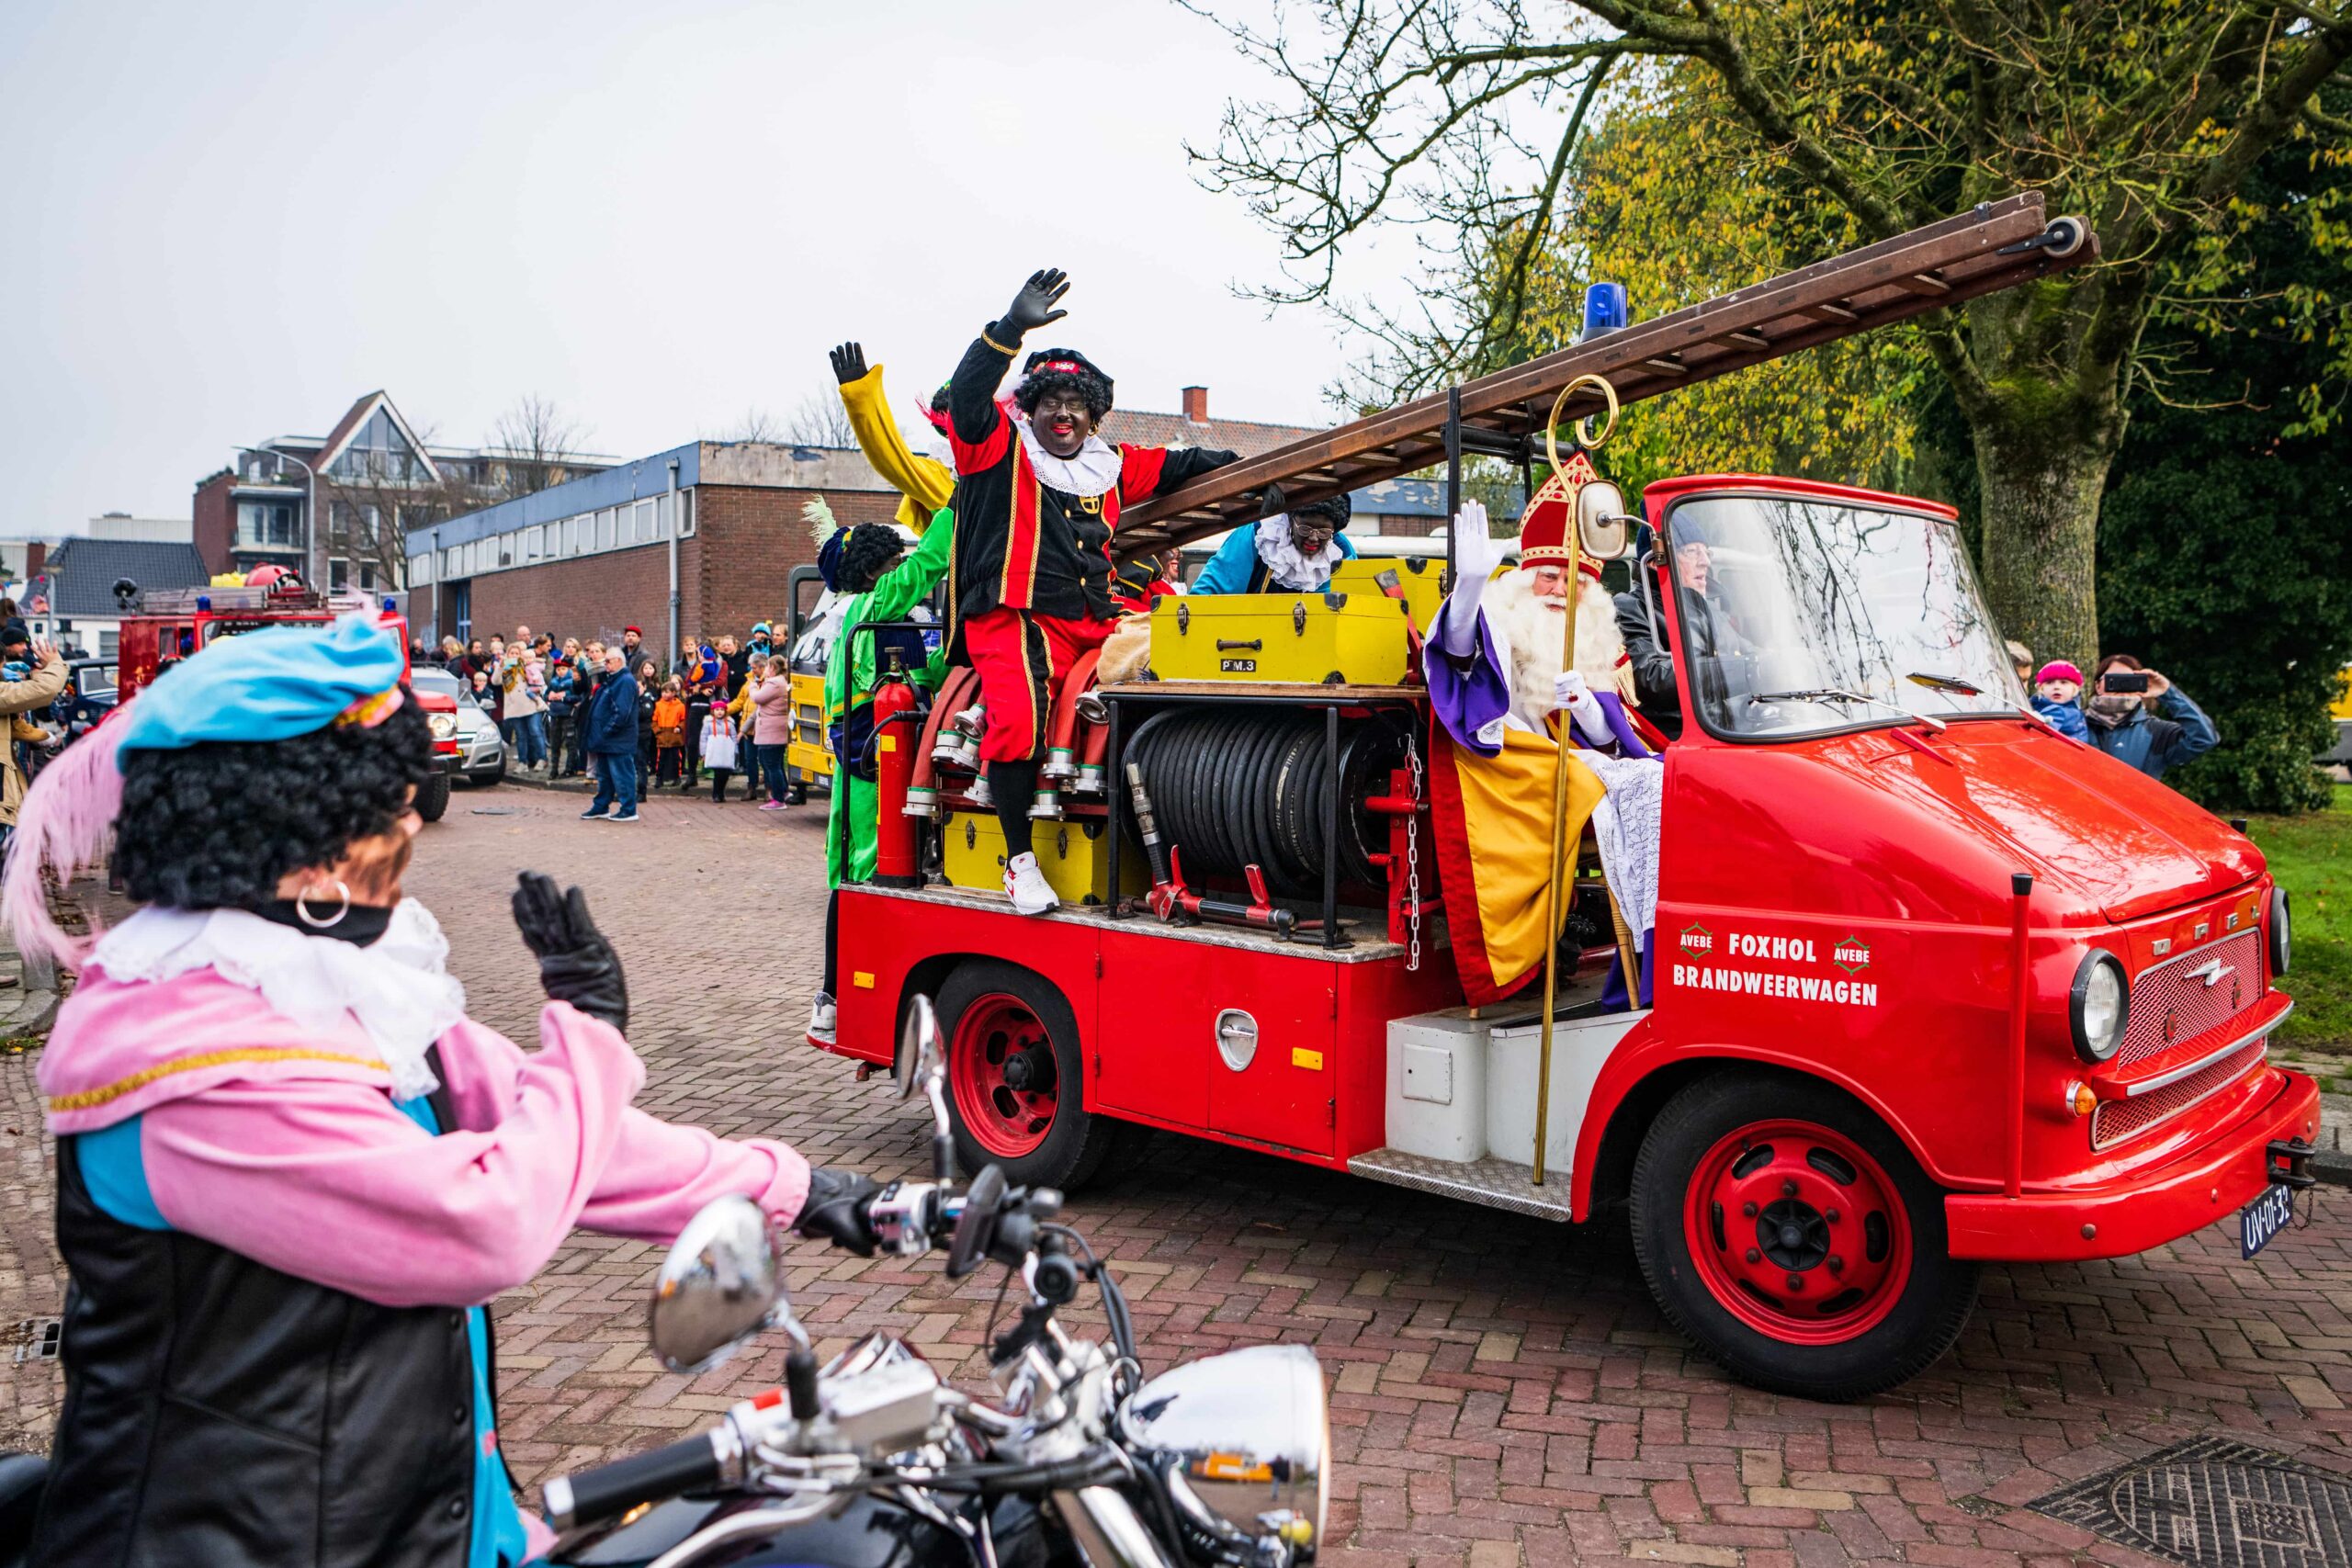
{"points": [[1543, 531]]}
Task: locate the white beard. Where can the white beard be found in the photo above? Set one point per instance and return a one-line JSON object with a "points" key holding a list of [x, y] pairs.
{"points": [[1531, 627]]}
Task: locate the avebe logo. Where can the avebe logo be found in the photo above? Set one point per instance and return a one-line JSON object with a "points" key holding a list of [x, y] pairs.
{"points": [[1697, 940], [1852, 955]]}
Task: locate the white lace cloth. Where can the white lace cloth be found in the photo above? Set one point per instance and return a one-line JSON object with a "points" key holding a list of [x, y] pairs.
{"points": [[1293, 572], [1625, 825], [1092, 472], [397, 987]]}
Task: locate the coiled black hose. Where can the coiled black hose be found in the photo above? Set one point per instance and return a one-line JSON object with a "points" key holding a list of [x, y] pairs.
{"points": [[1237, 786]]}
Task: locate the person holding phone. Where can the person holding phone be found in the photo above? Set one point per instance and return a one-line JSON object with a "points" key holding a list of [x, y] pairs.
{"points": [[2140, 718]]}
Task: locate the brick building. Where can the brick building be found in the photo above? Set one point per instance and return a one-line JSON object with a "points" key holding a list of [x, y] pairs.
{"points": [[590, 556]]}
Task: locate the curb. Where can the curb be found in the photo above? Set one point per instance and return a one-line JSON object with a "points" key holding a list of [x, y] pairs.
{"points": [[2333, 1166]]}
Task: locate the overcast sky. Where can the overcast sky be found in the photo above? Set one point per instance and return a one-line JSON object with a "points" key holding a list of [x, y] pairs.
{"points": [[228, 221]]}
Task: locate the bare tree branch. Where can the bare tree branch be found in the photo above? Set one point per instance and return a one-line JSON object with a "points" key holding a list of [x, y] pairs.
{"points": [[531, 446]]}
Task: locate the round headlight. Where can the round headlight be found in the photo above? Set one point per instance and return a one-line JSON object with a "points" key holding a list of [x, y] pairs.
{"points": [[442, 724], [2101, 1006], [1245, 1442], [2281, 932]]}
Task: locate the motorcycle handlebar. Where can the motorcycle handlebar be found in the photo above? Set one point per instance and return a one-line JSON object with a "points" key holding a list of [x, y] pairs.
{"points": [[589, 1496]]}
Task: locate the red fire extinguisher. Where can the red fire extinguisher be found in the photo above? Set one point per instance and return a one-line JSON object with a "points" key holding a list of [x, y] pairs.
{"points": [[896, 729]]}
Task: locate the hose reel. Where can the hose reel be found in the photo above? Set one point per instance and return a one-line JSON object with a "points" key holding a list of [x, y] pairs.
{"points": [[1235, 787]]}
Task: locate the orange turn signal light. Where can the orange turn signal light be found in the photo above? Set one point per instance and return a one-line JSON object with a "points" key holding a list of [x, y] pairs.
{"points": [[2080, 1100]]}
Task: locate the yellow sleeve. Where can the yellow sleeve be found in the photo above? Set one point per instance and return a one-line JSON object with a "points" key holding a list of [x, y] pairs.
{"points": [[925, 481]]}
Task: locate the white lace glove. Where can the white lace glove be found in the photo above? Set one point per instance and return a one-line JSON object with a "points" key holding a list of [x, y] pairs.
{"points": [[1569, 692], [1476, 556]]}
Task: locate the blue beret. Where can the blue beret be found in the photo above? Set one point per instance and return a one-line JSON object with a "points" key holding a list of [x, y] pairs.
{"points": [[829, 558], [269, 684]]}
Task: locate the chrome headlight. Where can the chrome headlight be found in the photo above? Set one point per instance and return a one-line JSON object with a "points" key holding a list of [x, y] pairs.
{"points": [[2100, 1006], [1244, 1440], [442, 724], [2281, 932]]}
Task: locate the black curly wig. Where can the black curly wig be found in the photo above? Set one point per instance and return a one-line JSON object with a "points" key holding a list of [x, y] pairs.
{"points": [[1336, 509], [867, 554], [216, 824], [1087, 382]]}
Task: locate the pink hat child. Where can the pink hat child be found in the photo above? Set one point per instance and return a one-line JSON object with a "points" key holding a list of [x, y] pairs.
{"points": [[2059, 681]]}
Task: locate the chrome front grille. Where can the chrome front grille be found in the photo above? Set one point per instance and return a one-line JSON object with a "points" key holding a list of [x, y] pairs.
{"points": [[2172, 1001], [2116, 1120]]}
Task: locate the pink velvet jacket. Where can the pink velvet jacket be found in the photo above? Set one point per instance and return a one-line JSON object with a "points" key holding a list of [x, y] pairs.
{"points": [[282, 1142]]}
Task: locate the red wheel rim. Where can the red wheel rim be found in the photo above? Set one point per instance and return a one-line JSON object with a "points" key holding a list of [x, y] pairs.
{"points": [[1798, 1233], [1000, 1070]]}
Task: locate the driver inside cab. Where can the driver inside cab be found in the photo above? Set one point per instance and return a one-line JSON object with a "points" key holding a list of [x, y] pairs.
{"points": [[1646, 646]]}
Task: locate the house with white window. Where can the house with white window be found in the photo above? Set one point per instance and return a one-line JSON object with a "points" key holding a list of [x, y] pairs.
{"points": [[373, 479]]}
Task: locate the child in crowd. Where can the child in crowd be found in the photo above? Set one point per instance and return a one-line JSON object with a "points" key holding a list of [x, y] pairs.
{"points": [[719, 741], [669, 735], [2056, 686]]}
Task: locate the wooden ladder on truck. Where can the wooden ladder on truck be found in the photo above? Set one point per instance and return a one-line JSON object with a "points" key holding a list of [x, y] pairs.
{"points": [[1996, 245]]}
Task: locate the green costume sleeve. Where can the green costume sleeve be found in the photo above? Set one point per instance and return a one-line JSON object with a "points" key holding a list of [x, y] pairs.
{"points": [[850, 669]]}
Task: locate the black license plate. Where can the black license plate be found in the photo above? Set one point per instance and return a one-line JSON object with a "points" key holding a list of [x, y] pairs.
{"points": [[2265, 1218]]}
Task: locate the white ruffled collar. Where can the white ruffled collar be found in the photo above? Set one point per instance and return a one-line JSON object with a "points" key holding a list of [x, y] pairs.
{"points": [[1092, 471], [1293, 568], [397, 987]]}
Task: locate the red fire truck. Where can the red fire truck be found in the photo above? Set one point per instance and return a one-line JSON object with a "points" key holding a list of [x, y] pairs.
{"points": [[171, 623], [1933, 984]]}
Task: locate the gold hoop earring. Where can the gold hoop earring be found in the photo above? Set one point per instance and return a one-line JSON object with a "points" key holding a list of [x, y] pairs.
{"points": [[302, 908]]}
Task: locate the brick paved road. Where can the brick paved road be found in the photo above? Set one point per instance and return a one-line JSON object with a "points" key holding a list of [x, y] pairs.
{"points": [[1504, 1391]]}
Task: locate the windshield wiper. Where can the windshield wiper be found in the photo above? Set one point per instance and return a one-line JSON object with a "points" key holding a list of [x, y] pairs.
{"points": [[1838, 694], [1951, 685]]}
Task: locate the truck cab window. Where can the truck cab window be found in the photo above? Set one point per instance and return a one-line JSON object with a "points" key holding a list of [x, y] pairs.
{"points": [[1802, 616]]}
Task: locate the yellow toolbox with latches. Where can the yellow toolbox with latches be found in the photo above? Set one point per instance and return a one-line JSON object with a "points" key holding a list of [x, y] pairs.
{"points": [[1416, 577], [1333, 639], [1075, 855]]}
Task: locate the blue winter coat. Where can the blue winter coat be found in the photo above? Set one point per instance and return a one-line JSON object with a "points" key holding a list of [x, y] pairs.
{"points": [[2067, 718], [610, 724], [2153, 744]]}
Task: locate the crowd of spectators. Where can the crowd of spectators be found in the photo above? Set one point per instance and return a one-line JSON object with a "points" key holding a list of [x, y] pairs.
{"points": [[632, 721]]}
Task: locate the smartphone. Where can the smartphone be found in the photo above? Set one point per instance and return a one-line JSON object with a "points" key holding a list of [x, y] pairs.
{"points": [[2119, 681]]}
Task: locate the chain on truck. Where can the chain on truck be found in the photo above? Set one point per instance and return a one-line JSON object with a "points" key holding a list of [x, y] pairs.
{"points": [[1931, 985], [162, 627]]}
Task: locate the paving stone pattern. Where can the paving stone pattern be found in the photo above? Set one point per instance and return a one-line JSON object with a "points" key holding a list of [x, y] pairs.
{"points": [[1503, 1393]]}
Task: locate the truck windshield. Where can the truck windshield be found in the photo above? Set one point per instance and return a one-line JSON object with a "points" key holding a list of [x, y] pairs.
{"points": [[1801, 616]]}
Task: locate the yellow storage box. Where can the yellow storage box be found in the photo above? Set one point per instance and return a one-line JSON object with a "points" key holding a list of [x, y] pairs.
{"points": [[1417, 578], [809, 749], [1334, 639], [1075, 856]]}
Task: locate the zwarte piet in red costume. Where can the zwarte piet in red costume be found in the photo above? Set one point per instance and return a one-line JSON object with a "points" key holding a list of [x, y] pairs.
{"points": [[1037, 499]]}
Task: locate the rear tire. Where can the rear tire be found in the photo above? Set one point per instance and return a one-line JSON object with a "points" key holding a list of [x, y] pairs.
{"points": [[433, 798], [1015, 1078], [1789, 1232]]}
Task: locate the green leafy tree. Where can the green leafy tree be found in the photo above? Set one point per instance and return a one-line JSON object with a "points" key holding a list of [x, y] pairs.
{"points": [[1460, 124]]}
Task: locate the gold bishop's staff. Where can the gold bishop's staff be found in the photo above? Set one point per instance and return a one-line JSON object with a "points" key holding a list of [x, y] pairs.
{"points": [[1590, 440]]}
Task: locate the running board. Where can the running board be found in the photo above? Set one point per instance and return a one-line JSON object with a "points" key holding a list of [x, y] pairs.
{"points": [[1495, 1183]]}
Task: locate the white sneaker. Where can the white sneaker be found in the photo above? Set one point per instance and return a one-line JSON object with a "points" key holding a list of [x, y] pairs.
{"points": [[1025, 886], [821, 1019]]}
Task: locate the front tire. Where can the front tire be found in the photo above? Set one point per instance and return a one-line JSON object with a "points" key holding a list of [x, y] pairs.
{"points": [[433, 798], [1015, 1078], [1789, 1232]]}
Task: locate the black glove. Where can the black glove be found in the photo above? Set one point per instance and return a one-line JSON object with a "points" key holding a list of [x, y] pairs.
{"points": [[576, 964], [836, 1210], [849, 363], [1034, 306], [1271, 502]]}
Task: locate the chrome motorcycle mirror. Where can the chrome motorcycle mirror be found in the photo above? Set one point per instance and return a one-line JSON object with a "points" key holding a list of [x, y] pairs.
{"points": [[720, 1284], [919, 1064], [1602, 528]]}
